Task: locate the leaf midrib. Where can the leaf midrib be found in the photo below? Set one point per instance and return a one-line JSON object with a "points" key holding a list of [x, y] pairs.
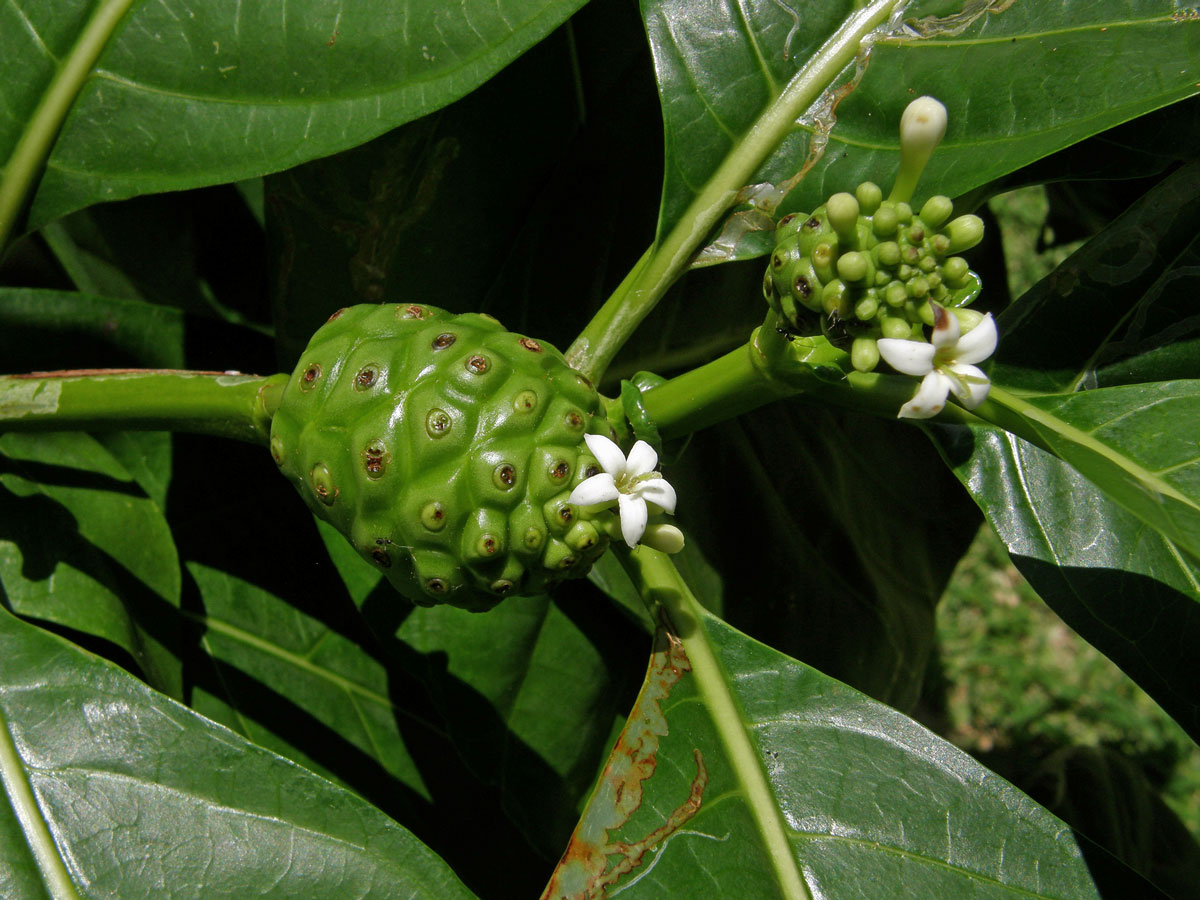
{"points": [[16, 784]]}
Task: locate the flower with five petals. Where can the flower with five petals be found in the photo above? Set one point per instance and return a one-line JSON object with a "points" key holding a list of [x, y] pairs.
{"points": [[947, 363], [634, 486]]}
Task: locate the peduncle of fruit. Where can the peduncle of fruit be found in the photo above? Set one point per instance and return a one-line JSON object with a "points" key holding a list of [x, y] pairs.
{"points": [[861, 267], [444, 448]]}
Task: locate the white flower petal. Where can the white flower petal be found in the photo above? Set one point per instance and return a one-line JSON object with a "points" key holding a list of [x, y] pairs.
{"points": [[663, 538], [658, 492], [946, 329], [642, 459], [930, 398], [595, 490], [970, 386], [634, 516], [607, 453], [977, 344], [909, 357]]}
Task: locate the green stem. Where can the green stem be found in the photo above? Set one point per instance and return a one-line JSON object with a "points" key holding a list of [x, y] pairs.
{"points": [[768, 368], [229, 405], [33, 147], [14, 780], [667, 259], [661, 586]]}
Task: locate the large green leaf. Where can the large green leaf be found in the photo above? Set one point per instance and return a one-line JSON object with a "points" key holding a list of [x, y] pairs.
{"points": [[529, 691], [81, 546], [1020, 80], [744, 773], [1123, 586], [183, 94], [115, 791]]}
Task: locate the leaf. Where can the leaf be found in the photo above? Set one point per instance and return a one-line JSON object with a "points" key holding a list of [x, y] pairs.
{"points": [[508, 182], [744, 773], [278, 652], [81, 546], [529, 692], [186, 95], [1019, 80], [42, 329], [1140, 444], [102, 774], [1124, 587], [1118, 311]]}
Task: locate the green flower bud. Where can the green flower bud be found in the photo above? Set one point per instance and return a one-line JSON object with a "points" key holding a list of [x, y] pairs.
{"points": [[895, 328], [842, 210], [853, 267], [865, 309], [864, 354], [886, 222], [964, 233], [922, 128], [896, 294], [869, 197], [937, 210]]}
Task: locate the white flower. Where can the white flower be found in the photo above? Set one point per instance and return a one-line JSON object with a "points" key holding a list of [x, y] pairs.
{"points": [[634, 485], [946, 363]]}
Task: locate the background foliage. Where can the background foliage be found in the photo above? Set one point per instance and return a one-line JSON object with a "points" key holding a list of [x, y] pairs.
{"points": [[204, 694]]}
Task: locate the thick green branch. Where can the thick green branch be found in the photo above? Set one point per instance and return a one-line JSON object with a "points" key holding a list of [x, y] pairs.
{"points": [[229, 405], [28, 156], [663, 263]]}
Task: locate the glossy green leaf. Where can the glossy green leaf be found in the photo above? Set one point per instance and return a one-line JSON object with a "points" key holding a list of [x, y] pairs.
{"points": [[319, 681], [1020, 81], [1140, 444], [1123, 586], [744, 773], [81, 546], [102, 775], [184, 95], [1118, 311]]}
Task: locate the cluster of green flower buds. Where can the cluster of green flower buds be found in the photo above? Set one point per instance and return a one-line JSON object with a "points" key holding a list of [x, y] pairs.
{"points": [[446, 450], [861, 267]]}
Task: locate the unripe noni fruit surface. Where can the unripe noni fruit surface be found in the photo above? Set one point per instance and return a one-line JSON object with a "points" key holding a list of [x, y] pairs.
{"points": [[444, 448]]}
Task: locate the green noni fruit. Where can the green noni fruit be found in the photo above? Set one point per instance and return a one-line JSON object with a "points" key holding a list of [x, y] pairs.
{"points": [[444, 448]]}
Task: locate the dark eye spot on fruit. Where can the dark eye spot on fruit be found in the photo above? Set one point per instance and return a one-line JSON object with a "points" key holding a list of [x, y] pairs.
{"points": [[309, 376], [365, 378], [560, 470], [381, 557], [803, 288], [478, 364], [574, 419], [505, 476], [531, 345], [502, 586], [442, 341], [591, 471], [787, 220], [813, 224], [436, 586], [565, 513], [412, 312]]}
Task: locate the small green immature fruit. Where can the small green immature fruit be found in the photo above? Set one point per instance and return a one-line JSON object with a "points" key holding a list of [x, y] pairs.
{"points": [[444, 448]]}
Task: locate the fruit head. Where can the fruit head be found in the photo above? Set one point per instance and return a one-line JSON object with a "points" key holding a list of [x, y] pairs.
{"points": [[862, 268], [444, 448]]}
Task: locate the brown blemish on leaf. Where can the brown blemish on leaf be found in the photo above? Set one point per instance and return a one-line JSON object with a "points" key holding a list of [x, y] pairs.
{"points": [[592, 862]]}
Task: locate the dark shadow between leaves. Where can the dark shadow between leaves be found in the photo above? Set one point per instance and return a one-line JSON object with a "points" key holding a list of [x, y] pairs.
{"points": [[32, 519]]}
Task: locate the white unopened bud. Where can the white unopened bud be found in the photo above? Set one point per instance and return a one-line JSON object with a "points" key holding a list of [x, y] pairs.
{"points": [[663, 538], [922, 128]]}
